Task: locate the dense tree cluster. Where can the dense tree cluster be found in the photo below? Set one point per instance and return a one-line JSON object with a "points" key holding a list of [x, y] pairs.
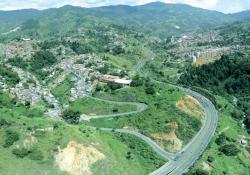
{"points": [[229, 75], [71, 116], [18, 62], [9, 75], [141, 81], [80, 48], [33, 154], [42, 59], [196, 172], [229, 149], [10, 138]]}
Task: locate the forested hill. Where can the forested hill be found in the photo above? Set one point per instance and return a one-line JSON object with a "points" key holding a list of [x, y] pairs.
{"points": [[155, 18], [229, 75], [242, 15], [235, 33]]}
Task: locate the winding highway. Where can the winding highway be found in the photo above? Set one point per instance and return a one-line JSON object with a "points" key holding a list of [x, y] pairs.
{"points": [[187, 156], [178, 163]]}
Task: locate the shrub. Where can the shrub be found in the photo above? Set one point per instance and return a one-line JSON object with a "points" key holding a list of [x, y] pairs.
{"points": [[71, 116], [113, 86], [150, 90], [36, 154], [20, 153], [10, 138], [221, 139], [237, 115], [229, 150], [34, 113], [137, 81], [10, 76], [3, 122], [115, 110], [196, 172], [210, 159]]}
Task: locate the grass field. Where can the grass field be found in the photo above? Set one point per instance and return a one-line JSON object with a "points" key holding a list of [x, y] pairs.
{"points": [[49, 134], [62, 91], [91, 106]]}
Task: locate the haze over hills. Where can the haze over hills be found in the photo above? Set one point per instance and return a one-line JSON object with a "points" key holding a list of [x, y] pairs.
{"points": [[242, 15], [154, 18]]}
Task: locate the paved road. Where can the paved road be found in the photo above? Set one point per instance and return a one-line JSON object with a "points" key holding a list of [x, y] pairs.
{"points": [[166, 155], [179, 162], [140, 108], [187, 157]]}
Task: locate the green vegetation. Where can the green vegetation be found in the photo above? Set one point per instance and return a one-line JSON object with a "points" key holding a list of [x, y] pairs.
{"points": [[224, 154], [227, 76], [71, 116], [40, 156], [8, 75], [146, 155], [10, 138], [149, 18], [229, 150], [161, 111], [20, 153], [230, 74], [144, 40], [41, 59], [18, 62], [62, 91], [96, 107]]}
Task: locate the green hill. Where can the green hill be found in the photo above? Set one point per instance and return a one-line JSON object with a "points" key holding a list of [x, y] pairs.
{"points": [[155, 18], [242, 15]]}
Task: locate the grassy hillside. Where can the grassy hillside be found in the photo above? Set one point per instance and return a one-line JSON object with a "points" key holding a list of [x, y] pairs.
{"points": [[30, 142], [161, 117]]}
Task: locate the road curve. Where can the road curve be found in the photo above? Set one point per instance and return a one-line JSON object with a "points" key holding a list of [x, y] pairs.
{"points": [[187, 157], [178, 162], [140, 108]]}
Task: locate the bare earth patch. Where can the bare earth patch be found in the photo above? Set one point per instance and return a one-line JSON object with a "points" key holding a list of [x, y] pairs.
{"points": [[76, 159], [190, 105], [207, 167], [175, 144], [29, 142]]}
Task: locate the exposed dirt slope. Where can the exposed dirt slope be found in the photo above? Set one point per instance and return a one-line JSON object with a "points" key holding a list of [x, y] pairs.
{"points": [[76, 159]]}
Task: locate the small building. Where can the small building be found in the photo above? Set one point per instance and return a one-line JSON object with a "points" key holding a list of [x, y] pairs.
{"points": [[123, 82], [115, 79], [26, 39]]}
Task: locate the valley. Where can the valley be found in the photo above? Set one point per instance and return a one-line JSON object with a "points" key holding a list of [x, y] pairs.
{"points": [[124, 90]]}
